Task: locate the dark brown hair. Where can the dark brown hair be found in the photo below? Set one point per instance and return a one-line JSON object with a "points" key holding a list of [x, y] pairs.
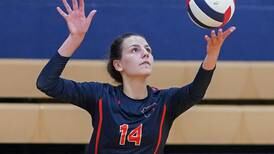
{"points": [[115, 53]]}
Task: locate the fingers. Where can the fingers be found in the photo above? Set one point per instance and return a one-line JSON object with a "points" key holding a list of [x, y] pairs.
{"points": [[61, 12], [90, 16], [220, 33], [213, 36], [74, 4], [215, 42], [207, 38], [82, 5], [68, 8], [229, 31]]}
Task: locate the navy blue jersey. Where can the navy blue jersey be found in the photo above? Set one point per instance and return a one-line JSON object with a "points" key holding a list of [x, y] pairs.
{"points": [[121, 124]]}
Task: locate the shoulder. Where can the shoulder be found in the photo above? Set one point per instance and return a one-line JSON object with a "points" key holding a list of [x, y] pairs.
{"points": [[100, 85], [164, 90], [97, 87]]}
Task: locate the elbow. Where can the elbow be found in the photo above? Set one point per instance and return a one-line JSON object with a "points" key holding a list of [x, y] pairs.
{"points": [[197, 94], [197, 97], [40, 83], [48, 87]]}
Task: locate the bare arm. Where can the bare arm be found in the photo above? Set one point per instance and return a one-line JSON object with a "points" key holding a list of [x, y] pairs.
{"points": [[214, 44], [78, 25]]}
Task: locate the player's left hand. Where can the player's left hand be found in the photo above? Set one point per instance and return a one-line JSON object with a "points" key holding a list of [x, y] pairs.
{"points": [[215, 41]]}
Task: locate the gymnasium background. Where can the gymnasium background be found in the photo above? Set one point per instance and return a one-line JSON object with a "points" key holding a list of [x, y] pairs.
{"points": [[236, 115]]}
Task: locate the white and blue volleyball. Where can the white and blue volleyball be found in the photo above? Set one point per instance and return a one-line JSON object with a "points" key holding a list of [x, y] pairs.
{"points": [[210, 14]]}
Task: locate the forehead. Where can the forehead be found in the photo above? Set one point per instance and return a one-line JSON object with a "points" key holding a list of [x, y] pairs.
{"points": [[134, 40]]}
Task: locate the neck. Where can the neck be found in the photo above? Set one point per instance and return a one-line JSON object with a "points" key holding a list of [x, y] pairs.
{"points": [[135, 88]]}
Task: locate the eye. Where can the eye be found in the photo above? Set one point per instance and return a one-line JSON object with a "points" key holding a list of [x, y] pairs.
{"points": [[149, 50], [134, 50]]}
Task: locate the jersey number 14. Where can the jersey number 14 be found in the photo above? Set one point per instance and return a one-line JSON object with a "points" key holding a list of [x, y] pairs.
{"points": [[134, 136]]}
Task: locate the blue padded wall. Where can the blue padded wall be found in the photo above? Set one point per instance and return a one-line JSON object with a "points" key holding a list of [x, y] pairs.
{"points": [[34, 29]]}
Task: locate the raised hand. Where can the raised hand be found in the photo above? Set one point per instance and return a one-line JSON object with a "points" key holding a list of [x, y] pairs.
{"points": [[215, 42], [214, 45], [77, 22]]}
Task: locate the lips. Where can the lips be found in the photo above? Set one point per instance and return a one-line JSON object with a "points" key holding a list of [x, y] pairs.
{"points": [[145, 62]]}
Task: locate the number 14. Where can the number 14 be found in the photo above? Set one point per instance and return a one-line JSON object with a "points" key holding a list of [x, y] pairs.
{"points": [[134, 136]]}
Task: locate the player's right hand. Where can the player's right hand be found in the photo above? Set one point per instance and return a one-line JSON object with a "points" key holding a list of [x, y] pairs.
{"points": [[75, 17]]}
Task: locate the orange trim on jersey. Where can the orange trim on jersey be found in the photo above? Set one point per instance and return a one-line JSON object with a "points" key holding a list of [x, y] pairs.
{"points": [[99, 125], [160, 130]]}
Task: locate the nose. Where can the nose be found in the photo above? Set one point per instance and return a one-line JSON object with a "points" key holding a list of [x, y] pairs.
{"points": [[145, 53]]}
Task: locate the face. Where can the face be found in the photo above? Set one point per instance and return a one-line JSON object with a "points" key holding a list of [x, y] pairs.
{"points": [[136, 58]]}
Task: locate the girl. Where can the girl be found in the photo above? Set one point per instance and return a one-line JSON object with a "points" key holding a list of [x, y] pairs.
{"points": [[131, 117]]}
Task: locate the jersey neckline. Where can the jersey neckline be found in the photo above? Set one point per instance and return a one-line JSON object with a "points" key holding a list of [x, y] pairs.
{"points": [[120, 87]]}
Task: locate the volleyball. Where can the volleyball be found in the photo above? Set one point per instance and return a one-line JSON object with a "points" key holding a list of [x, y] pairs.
{"points": [[210, 14]]}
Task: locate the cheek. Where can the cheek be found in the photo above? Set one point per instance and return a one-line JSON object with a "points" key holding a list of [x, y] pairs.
{"points": [[129, 63], [126, 61], [152, 58]]}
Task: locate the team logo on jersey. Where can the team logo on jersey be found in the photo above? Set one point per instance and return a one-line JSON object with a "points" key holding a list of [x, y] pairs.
{"points": [[148, 110]]}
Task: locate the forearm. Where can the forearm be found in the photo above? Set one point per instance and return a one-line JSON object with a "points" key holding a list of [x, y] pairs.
{"points": [[70, 45], [201, 82], [209, 62], [191, 94]]}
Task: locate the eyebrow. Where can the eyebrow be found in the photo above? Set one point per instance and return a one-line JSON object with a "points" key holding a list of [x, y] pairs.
{"points": [[137, 45]]}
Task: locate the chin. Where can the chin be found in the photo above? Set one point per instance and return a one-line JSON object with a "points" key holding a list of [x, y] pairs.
{"points": [[140, 73], [146, 73]]}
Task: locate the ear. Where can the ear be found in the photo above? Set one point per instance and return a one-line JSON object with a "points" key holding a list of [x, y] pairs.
{"points": [[117, 65]]}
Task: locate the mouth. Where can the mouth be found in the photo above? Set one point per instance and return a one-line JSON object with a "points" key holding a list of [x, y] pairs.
{"points": [[145, 62]]}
